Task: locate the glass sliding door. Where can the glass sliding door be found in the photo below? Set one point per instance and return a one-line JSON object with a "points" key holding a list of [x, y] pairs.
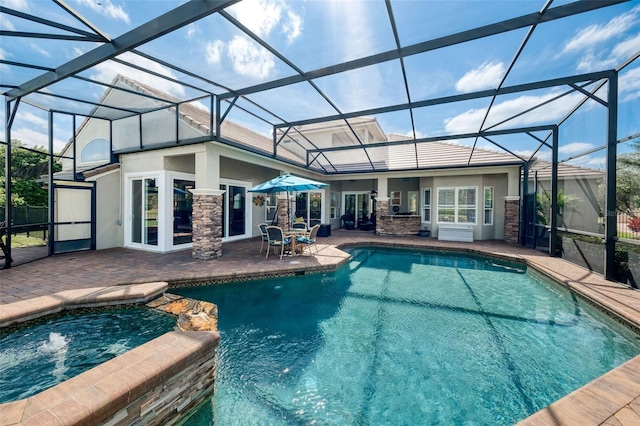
{"points": [[144, 211], [235, 211], [182, 211]]}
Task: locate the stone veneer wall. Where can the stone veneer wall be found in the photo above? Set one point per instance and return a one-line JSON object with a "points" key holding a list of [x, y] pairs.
{"points": [[387, 224], [172, 387], [207, 226], [398, 225], [154, 384], [283, 212], [512, 220], [382, 209]]}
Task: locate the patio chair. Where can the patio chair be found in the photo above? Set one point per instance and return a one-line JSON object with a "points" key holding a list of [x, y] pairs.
{"points": [[309, 240], [348, 222], [264, 237], [299, 225], [276, 238]]}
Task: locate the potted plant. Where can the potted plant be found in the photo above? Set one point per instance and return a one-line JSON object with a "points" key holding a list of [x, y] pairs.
{"points": [[424, 232]]}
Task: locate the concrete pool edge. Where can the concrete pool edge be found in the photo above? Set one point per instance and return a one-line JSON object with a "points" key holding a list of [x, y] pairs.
{"points": [[155, 383], [26, 310]]}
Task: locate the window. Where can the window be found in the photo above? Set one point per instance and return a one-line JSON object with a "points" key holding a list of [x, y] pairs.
{"points": [[413, 202], [96, 150], [488, 205], [334, 205], [271, 206], [457, 205], [426, 205]]}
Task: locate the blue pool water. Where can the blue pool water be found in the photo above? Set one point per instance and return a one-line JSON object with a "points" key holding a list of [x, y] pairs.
{"points": [[40, 355], [403, 338]]}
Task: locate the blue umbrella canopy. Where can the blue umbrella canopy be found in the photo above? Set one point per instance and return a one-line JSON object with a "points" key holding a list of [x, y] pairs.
{"points": [[287, 183]]}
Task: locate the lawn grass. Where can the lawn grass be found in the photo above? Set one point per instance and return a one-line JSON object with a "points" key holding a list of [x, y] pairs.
{"points": [[35, 239]]}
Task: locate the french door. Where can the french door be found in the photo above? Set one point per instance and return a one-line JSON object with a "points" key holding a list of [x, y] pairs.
{"points": [[357, 205], [236, 211], [144, 211]]}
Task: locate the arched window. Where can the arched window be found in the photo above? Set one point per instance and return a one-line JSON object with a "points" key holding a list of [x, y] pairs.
{"points": [[96, 150]]}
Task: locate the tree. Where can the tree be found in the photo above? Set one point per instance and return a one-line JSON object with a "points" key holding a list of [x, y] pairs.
{"points": [[28, 166], [628, 182]]}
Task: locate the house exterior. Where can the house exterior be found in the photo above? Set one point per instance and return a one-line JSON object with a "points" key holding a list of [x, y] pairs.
{"points": [[161, 195], [580, 203]]}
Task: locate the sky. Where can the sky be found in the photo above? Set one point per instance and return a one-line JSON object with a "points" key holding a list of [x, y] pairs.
{"points": [[314, 34]]}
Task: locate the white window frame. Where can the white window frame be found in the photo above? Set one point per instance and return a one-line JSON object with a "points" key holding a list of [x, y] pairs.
{"points": [[270, 206], [457, 206], [488, 211], [162, 218], [335, 205], [413, 195], [248, 220], [426, 204]]}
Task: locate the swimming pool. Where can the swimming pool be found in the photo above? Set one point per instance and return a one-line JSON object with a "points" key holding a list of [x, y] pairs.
{"points": [[404, 337], [36, 356]]}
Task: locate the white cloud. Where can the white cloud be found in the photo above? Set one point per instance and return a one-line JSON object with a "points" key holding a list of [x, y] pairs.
{"points": [[106, 8], [574, 148], [106, 71], [609, 58], [40, 50], [591, 62], [627, 47], [5, 24], [470, 120], [191, 31], [250, 59], [214, 51], [595, 34], [487, 75], [3, 53], [292, 27], [260, 16], [524, 153], [599, 162], [32, 138], [629, 85], [15, 4]]}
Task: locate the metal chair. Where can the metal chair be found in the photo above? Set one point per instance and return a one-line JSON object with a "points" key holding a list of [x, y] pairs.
{"points": [[277, 239], [309, 240], [264, 237]]}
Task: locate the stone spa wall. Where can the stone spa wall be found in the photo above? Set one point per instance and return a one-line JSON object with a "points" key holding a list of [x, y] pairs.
{"points": [[154, 384]]}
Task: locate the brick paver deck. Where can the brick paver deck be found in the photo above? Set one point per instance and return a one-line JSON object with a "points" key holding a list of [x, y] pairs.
{"points": [[613, 399]]}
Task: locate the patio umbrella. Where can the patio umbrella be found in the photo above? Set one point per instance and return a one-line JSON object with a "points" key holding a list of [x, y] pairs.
{"points": [[287, 183]]}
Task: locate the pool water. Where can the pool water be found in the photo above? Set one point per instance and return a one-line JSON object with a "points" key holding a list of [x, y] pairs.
{"points": [[403, 338], [45, 353]]}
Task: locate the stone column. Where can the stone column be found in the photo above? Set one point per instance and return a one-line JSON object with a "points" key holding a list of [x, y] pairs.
{"points": [[512, 219], [207, 223], [382, 211], [284, 206]]}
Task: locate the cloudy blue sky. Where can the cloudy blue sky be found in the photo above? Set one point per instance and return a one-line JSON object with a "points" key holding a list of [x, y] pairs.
{"points": [[314, 34]]}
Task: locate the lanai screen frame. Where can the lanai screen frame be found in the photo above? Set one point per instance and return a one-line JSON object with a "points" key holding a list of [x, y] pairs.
{"points": [[221, 104]]}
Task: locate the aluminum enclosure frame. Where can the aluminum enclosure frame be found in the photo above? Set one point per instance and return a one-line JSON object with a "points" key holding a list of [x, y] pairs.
{"points": [[194, 10]]}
